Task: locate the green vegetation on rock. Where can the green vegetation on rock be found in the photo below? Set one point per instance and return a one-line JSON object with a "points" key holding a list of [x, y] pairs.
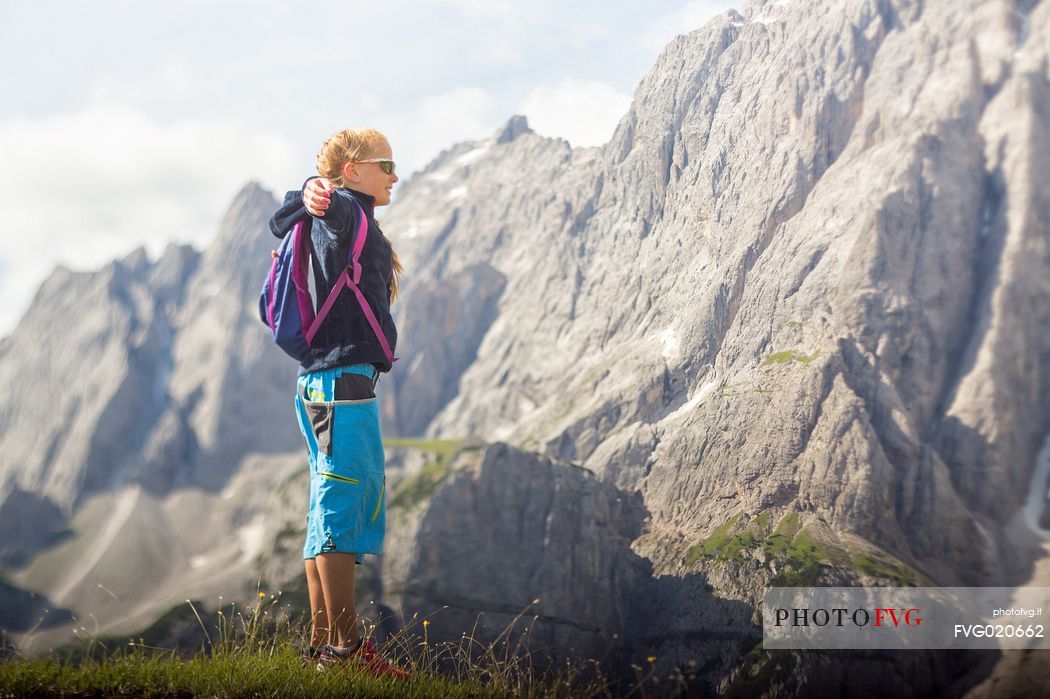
{"points": [[794, 554], [880, 566], [441, 453], [720, 545], [443, 449], [788, 356], [420, 486], [805, 559], [782, 536]]}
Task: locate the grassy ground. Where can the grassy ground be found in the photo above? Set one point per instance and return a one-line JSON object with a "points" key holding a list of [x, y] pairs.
{"points": [[255, 654], [277, 671], [139, 672]]}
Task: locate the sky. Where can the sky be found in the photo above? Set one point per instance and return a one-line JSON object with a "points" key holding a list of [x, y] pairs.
{"points": [[127, 124]]}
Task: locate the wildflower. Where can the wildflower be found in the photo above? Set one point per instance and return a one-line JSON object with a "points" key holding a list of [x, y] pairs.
{"points": [[262, 595], [651, 658], [426, 622]]}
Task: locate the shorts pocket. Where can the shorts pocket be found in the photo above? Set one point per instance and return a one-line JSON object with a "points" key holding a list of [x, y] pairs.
{"points": [[353, 387], [333, 476], [322, 422], [357, 446]]}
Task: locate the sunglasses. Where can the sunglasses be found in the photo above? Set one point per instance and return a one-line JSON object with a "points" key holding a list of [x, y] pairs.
{"points": [[385, 164]]}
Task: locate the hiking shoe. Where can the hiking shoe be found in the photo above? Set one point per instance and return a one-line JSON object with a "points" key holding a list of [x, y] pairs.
{"points": [[309, 655], [364, 655]]}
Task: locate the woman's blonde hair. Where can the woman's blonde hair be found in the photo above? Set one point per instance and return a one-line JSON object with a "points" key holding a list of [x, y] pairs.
{"points": [[341, 148]]}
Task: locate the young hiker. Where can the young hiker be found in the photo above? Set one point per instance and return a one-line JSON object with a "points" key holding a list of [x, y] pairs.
{"points": [[335, 391]]}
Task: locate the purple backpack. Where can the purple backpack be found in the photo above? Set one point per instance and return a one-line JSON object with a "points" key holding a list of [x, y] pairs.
{"points": [[285, 304]]}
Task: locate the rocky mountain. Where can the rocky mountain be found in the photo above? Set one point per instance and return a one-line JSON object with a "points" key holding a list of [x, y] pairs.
{"points": [[787, 326], [82, 375], [801, 292], [141, 439]]}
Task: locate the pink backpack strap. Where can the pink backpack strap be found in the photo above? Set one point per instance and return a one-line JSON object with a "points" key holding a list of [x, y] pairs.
{"points": [[346, 280], [374, 323]]}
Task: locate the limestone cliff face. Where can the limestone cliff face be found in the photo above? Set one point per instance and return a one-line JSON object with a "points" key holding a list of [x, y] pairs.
{"points": [[146, 429], [231, 388], [802, 294], [81, 386], [807, 273], [144, 372], [788, 325], [512, 524]]}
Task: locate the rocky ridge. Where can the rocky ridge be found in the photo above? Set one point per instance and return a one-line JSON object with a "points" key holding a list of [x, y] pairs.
{"points": [[760, 314], [799, 297]]}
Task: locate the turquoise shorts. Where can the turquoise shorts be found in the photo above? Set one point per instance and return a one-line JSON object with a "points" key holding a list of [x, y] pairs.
{"points": [[347, 464]]}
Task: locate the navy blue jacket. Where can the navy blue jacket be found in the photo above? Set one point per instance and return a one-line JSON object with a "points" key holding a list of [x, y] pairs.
{"points": [[345, 337]]}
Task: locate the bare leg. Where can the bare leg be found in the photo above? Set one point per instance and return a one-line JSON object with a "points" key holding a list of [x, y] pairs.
{"points": [[318, 611], [336, 571]]}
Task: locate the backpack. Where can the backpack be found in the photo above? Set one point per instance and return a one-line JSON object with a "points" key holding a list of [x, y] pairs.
{"points": [[286, 306]]}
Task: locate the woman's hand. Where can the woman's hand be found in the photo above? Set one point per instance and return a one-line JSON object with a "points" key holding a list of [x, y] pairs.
{"points": [[317, 195]]}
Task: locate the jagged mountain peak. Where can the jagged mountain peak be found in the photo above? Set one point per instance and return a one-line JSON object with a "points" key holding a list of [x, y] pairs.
{"points": [[251, 193], [248, 212], [514, 127], [136, 261]]}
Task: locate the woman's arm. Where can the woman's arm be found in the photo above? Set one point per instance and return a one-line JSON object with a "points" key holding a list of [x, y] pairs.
{"points": [[337, 209], [340, 214], [317, 195]]}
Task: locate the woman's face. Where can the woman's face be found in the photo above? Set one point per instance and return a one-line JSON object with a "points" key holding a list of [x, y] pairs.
{"points": [[369, 178]]}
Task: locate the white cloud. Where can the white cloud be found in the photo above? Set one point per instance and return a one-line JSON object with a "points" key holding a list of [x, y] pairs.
{"points": [[479, 8], [490, 32], [83, 188], [689, 18], [171, 82], [438, 122], [123, 148], [583, 112], [583, 36]]}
